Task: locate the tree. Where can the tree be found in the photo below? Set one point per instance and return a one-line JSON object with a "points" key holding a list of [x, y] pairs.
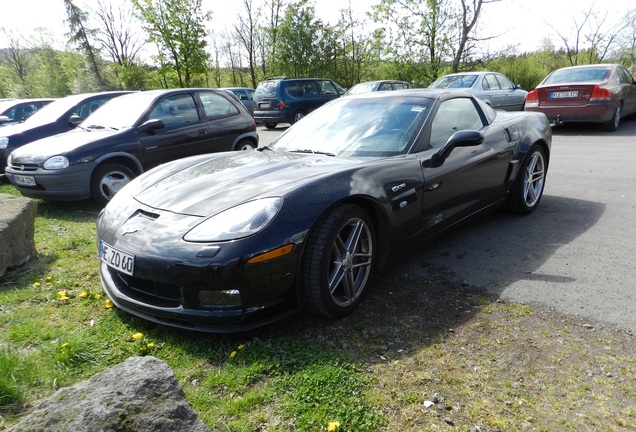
{"points": [[177, 27], [81, 35], [247, 34], [19, 59]]}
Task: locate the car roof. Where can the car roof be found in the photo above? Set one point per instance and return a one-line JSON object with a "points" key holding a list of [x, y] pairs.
{"points": [[418, 92]]}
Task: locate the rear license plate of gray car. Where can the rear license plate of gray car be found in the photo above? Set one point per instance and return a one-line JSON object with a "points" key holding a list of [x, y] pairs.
{"points": [[22, 180], [264, 105]]}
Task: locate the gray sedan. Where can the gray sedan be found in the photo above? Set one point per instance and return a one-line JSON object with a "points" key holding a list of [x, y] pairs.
{"points": [[492, 87]]}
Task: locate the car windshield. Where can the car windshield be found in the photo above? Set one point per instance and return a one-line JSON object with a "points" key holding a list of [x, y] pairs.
{"points": [[53, 111], [358, 126], [454, 81], [578, 75], [361, 88], [120, 112]]}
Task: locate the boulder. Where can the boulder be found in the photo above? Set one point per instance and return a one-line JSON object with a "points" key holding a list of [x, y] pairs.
{"points": [[141, 394], [17, 228]]}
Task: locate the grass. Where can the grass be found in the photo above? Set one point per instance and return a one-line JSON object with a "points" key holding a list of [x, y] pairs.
{"points": [[418, 355]]}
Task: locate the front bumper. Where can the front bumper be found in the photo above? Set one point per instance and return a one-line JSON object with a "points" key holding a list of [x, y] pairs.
{"points": [[173, 280], [70, 184]]}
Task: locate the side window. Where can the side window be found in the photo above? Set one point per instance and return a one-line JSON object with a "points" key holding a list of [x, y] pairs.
{"points": [[311, 88], [453, 115], [624, 76], [505, 83], [295, 88], [385, 86], [176, 110], [250, 94], [88, 108], [490, 82], [216, 106], [328, 88]]}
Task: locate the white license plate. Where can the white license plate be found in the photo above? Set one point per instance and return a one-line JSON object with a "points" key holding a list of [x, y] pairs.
{"points": [[265, 105], [564, 95], [22, 180], [117, 259]]}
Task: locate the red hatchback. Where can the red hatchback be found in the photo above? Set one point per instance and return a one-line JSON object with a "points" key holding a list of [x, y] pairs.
{"points": [[599, 93]]}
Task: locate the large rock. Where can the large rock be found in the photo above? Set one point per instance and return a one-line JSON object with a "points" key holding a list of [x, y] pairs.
{"points": [[17, 228], [142, 394]]}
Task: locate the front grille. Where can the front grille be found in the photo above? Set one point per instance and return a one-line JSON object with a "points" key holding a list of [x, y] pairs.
{"points": [[149, 292], [24, 167]]}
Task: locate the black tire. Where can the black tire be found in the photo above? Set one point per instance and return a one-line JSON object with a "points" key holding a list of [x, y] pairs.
{"points": [[298, 117], [270, 125], [107, 180], [614, 122], [527, 191], [244, 144], [338, 261]]}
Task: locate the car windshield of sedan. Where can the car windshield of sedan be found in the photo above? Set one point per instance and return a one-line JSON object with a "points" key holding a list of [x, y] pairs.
{"points": [[120, 112], [358, 127], [578, 75], [53, 111], [361, 88], [454, 81]]}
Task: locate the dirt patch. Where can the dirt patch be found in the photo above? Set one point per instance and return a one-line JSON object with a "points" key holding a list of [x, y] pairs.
{"points": [[443, 356]]}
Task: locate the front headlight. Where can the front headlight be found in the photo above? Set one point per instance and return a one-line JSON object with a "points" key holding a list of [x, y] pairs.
{"points": [[56, 163], [4, 142], [238, 222]]}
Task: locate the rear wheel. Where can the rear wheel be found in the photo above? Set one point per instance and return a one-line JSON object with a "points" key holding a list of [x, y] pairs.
{"points": [[338, 261], [107, 180], [528, 188], [613, 123], [270, 125]]}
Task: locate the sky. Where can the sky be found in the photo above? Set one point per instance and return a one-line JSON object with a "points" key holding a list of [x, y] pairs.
{"points": [[521, 23]]}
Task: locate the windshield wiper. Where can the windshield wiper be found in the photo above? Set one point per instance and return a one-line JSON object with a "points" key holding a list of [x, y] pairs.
{"points": [[101, 127], [311, 151]]}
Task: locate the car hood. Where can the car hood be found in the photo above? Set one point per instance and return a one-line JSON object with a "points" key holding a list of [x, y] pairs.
{"points": [[203, 186], [42, 149]]}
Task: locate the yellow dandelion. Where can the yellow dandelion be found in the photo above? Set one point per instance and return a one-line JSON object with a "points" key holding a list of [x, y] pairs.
{"points": [[137, 336], [233, 354], [150, 345], [61, 295], [97, 295], [143, 348], [83, 294], [333, 426], [37, 284], [64, 344], [240, 347], [89, 277], [108, 304], [48, 278]]}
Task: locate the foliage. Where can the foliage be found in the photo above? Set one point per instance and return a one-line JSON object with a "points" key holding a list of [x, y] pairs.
{"points": [[177, 27]]}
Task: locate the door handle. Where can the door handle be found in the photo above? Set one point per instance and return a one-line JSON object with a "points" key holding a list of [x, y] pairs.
{"points": [[203, 131]]}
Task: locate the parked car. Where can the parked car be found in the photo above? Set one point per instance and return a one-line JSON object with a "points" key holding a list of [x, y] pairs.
{"points": [[381, 85], [127, 136], [492, 87], [287, 100], [230, 241], [18, 110], [599, 93], [245, 95], [59, 116]]}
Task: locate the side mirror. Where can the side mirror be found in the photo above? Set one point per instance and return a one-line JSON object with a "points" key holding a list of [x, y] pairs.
{"points": [[464, 138], [74, 120], [151, 125], [4, 119]]}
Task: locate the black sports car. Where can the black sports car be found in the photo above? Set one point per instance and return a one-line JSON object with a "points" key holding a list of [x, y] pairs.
{"points": [[230, 241]]}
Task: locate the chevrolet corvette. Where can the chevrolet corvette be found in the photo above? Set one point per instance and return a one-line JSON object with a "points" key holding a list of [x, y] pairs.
{"points": [[231, 241]]}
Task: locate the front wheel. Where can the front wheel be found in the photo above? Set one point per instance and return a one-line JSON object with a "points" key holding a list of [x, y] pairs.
{"points": [[528, 188], [270, 125], [244, 145], [107, 180], [338, 261]]}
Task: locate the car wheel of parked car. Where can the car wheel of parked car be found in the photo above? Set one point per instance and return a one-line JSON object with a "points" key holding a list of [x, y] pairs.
{"points": [[338, 261], [528, 188], [612, 125], [107, 180], [244, 145], [271, 125], [298, 116]]}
